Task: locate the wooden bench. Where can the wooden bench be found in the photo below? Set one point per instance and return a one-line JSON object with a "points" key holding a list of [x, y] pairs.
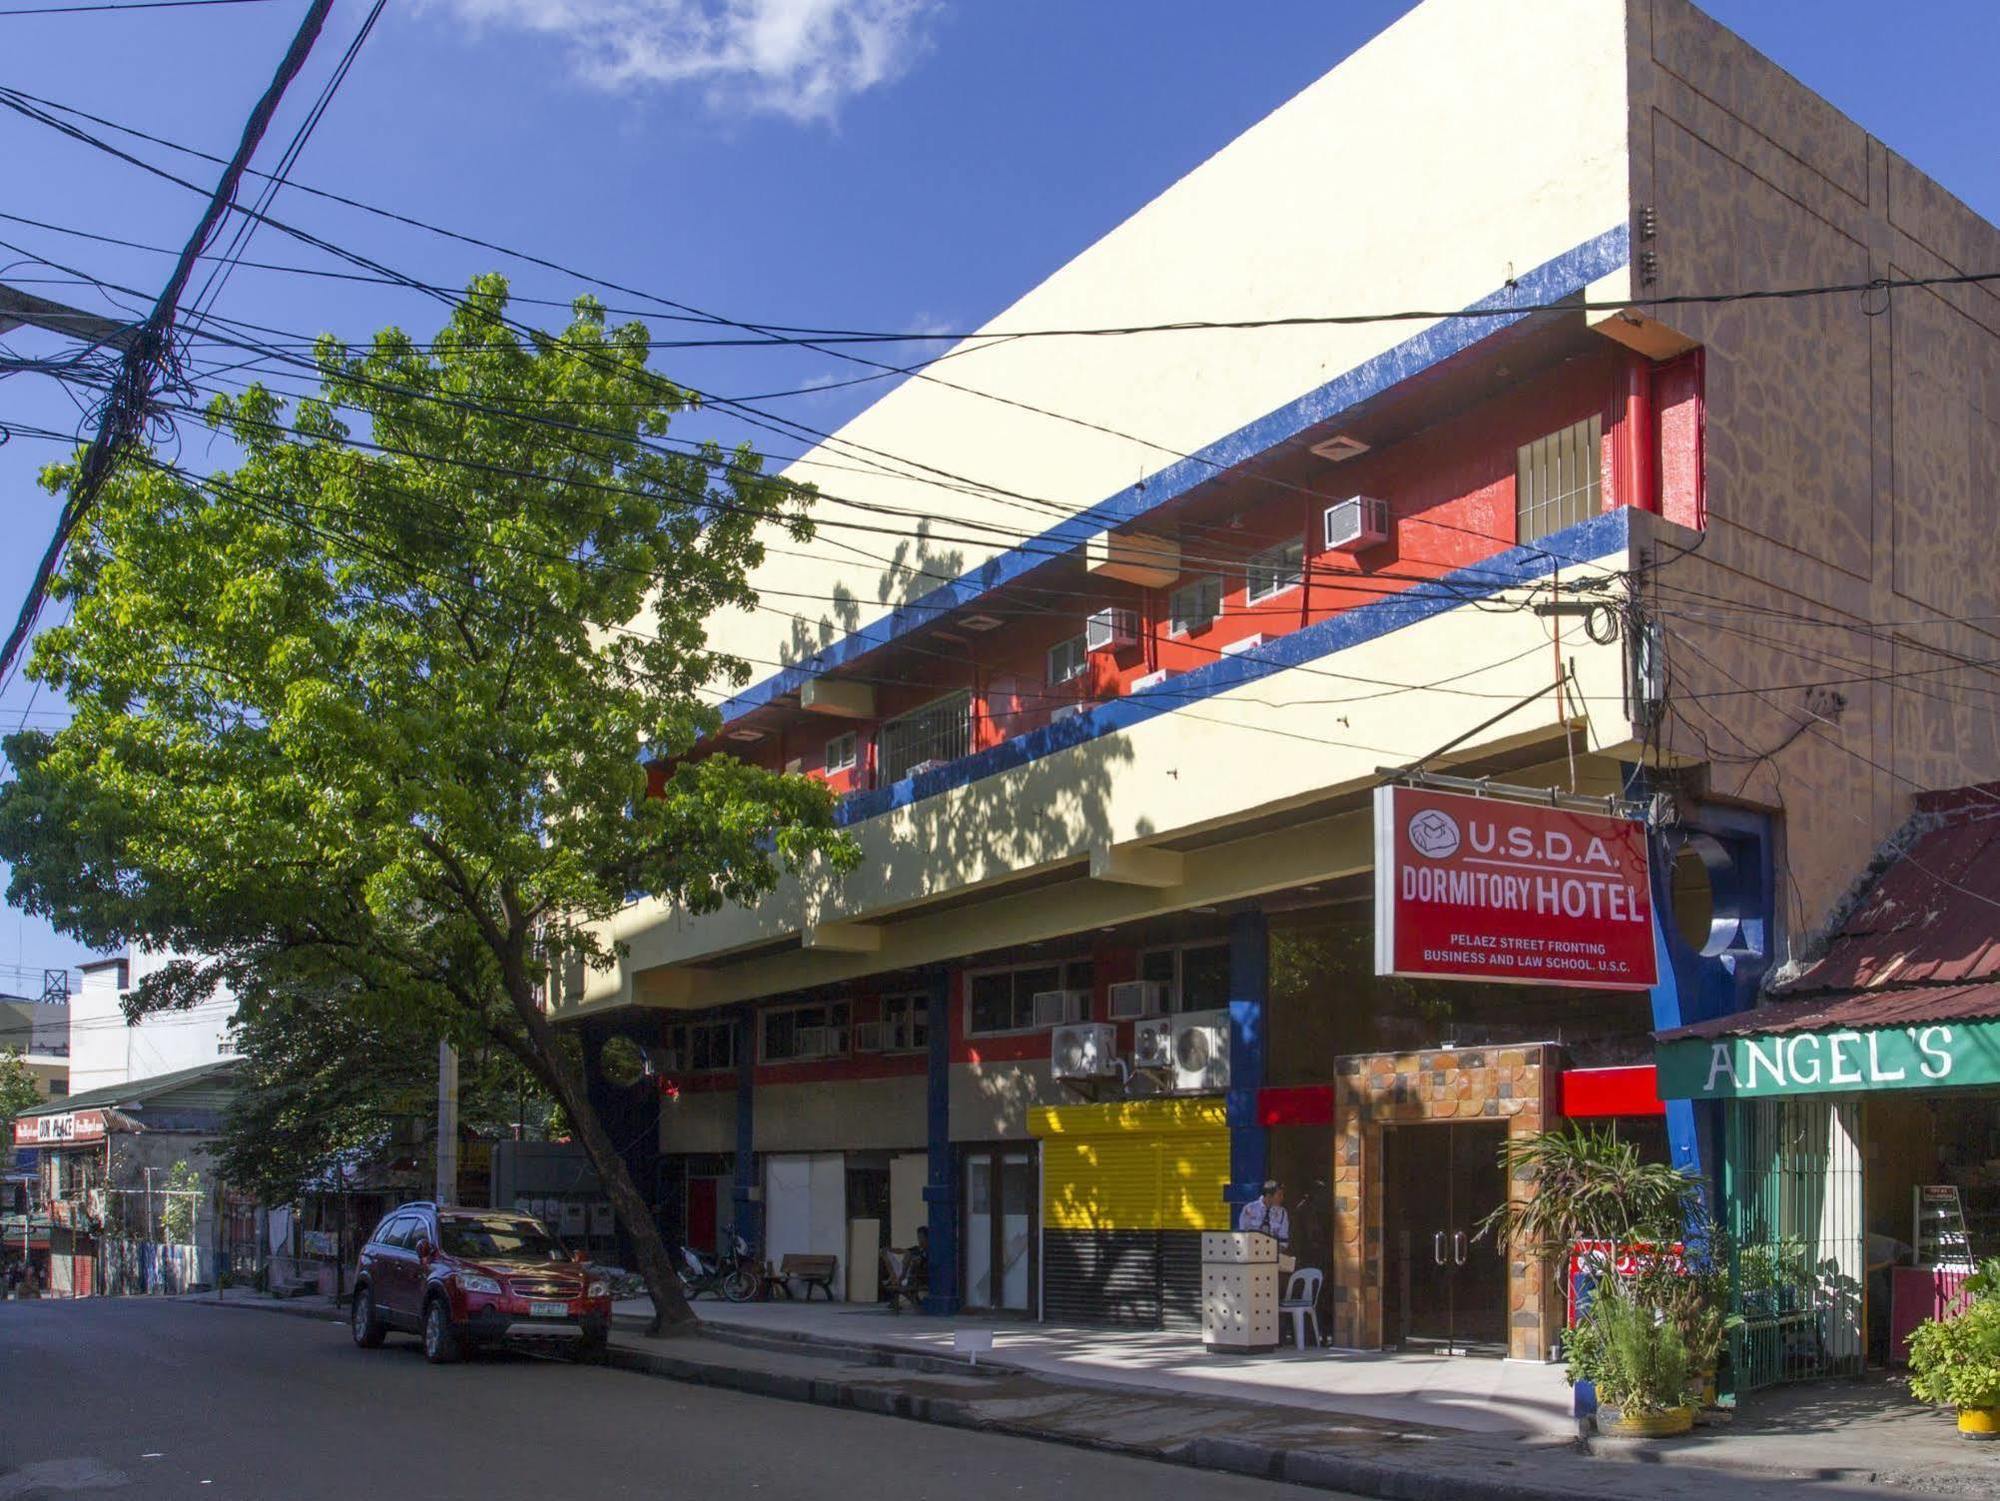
{"points": [[813, 1271]]}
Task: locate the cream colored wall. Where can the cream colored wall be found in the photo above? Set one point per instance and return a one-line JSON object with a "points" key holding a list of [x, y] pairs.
{"points": [[859, 1114], [1287, 740], [1467, 143], [1853, 460]]}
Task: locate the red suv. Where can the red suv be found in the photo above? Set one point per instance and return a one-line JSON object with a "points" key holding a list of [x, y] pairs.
{"points": [[460, 1278]]}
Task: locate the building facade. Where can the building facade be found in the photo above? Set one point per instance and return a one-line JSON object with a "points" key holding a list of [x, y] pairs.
{"points": [[1107, 722], [107, 1049]]}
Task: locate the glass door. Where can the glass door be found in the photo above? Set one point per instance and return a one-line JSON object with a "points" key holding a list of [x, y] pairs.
{"points": [[999, 1229], [1445, 1288]]}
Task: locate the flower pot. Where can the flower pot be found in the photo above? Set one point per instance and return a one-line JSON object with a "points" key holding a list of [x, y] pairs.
{"points": [[1669, 1422], [1979, 1422]]}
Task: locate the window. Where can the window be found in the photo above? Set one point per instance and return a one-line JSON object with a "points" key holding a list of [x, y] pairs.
{"points": [[1196, 976], [58, 1086], [1067, 660], [1558, 482], [1003, 1000], [1194, 605], [703, 1047], [905, 1023], [1275, 569], [940, 731], [796, 1034], [486, 1237], [841, 752]]}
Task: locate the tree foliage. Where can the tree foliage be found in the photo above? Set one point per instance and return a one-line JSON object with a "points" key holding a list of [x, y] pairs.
{"points": [[368, 716], [17, 1090]]}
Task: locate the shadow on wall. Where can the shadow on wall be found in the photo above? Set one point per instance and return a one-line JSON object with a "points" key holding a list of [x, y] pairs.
{"points": [[915, 569]]}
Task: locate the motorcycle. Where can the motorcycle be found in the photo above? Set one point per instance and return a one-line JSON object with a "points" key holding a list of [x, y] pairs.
{"points": [[732, 1276]]}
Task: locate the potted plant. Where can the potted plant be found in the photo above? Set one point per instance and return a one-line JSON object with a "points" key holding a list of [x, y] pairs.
{"points": [[1955, 1362], [1645, 1379]]}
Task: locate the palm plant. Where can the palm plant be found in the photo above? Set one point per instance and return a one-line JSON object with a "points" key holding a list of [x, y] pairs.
{"points": [[1579, 1182]]}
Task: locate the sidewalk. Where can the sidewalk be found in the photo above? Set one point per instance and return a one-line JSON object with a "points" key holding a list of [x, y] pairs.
{"points": [[1435, 1430]]}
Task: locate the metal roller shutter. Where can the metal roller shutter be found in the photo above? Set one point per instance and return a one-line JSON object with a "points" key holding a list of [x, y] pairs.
{"points": [[1132, 1279]]}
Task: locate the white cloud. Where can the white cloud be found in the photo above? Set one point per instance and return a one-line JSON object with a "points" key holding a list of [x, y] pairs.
{"points": [[800, 58]]}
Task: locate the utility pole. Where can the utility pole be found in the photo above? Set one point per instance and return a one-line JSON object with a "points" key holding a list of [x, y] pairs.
{"points": [[447, 1141]]}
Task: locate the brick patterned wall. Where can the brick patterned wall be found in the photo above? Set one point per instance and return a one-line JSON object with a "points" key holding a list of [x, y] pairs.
{"points": [[1395, 1089]]}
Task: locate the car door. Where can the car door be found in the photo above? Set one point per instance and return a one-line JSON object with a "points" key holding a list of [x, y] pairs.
{"points": [[396, 1271]]}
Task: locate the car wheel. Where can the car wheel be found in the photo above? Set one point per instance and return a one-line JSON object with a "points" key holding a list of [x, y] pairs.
{"points": [[442, 1344], [365, 1324], [739, 1286]]}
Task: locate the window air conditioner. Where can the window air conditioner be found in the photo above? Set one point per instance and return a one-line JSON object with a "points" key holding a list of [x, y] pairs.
{"points": [[1150, 680], [1088, 1050], [810, 1042], [1132, 999], [1353, 524], [1054, 1008], [1201, 1051], [1153, 1043], [1065, 711], [1109, 630], [868, 1037]]}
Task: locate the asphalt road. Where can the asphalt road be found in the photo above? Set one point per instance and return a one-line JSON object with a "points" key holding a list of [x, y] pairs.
{"points": [[116, 1397]]}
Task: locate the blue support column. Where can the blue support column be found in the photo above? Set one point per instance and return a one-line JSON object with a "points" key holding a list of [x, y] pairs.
{"points": [[941, 1187], [749, 1220], [1249, 1011]]}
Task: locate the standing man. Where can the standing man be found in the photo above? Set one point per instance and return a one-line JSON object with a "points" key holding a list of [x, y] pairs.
{"points": [[1268, 1215]]}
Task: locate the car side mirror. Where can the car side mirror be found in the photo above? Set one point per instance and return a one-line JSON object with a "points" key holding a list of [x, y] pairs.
{"points": [[579, 1256], [426, 1252]]}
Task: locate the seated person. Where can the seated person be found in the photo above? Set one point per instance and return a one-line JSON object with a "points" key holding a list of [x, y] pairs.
{"points": [[913, 1276]]}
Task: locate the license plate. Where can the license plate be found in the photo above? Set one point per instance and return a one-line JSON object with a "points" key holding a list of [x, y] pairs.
{"points": [[548, 1310]]}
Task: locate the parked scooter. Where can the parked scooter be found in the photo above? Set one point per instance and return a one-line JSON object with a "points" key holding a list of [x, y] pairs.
{"points": [[732, 1276]]}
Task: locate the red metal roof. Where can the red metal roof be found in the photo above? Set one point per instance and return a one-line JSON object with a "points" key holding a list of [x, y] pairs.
{"points": [[1904, 1006], [1932, 918]]}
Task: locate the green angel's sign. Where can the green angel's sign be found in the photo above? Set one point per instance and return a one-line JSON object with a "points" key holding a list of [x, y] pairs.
{"points": [[1930, 1055]]}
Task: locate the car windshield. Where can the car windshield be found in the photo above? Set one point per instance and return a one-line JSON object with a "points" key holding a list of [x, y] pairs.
{"points": [[496, 1237]]}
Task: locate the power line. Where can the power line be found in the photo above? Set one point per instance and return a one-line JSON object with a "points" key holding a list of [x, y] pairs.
{"points": [[125, 410], [111, 5]]}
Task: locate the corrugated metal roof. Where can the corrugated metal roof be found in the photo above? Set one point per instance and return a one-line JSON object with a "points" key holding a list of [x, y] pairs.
{"points": [[1905, 1006], [187, 1085], [1933, 917]]}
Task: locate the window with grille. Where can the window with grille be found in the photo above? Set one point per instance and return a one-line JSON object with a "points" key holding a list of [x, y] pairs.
{"points": [[1003, 1000], [1558, 481], [1274, 570], [1067, 660], [940, 731], [703, 1047], [905, 1023], [794, 1034], [1194, 605], [841, 751]]}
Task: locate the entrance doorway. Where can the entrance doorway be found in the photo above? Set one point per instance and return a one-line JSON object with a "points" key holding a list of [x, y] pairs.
{"points": [[998, 1234], [1447, 1286]]}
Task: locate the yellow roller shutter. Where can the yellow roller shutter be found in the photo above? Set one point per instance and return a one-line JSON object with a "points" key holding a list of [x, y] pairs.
{"points": [[1133, 1165]]}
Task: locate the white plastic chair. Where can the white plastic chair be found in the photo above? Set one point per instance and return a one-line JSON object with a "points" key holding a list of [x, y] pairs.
{"points": [[1301, 1301]]}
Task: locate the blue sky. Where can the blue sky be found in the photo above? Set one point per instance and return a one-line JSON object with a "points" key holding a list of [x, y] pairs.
{"points": [[891, 164]]}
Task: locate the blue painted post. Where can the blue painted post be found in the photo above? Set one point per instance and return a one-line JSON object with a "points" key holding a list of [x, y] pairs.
{"points": [[1249, 994], [749, 1223], [941, 1189]]}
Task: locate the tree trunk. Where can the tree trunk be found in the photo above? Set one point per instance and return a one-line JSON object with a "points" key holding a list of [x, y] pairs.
{"points": [[671, 1313]]}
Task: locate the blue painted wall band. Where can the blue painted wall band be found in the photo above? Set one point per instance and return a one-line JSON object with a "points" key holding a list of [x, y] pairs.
{"points": [[1570, 272]]}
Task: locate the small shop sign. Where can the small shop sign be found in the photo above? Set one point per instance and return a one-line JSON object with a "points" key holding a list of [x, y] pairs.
{"points": [[1484, 888], [1926, 1056], [60, 1129]]}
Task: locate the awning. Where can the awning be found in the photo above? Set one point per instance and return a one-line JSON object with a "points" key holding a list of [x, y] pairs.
{"points": [[1914, 1037]]}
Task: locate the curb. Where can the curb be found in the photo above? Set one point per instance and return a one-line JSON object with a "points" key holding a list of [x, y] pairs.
{"points": [[301, 1308]]}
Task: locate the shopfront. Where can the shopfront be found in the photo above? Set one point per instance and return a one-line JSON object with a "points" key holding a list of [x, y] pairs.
{"points": [[1861, 1174]]}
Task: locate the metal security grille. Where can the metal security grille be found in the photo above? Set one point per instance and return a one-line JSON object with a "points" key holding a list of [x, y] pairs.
{"points": [[1559, 481], [1792, 1184], [940, 731], [1134, 1279]]}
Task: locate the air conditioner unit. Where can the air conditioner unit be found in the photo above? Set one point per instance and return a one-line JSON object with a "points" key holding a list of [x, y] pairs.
{"points": [[869, 1037], [1088, 1050], [1065, 711], [1109, 630], [1132, 999], [809, 1042], [1201, 1051], [836, 1042], [1353, 524], [1150, 680], [1247, 644], [1054, 1008], [1153, 1043]]}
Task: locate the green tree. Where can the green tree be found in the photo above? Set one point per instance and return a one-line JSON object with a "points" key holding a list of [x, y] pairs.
{"points": [[17, 1091], [368, 717]]}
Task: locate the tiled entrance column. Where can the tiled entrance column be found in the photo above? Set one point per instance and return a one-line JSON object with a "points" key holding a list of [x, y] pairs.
{"points": [[1397, 1089]]}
